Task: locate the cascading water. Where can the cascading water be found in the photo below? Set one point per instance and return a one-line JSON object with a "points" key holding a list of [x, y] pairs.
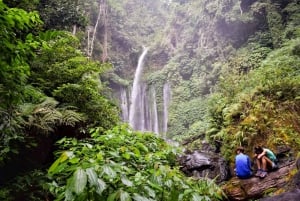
{"points": [[140, 112], [124, 104], [143, 113], [167, 98], [153, 112], [133, 115]]}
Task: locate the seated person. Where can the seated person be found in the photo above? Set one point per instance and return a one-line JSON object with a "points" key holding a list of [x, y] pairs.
{"points": [[265, 160], [242, 164]]}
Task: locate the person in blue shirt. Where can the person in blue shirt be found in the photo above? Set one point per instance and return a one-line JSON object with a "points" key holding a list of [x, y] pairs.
{"points": [[265, 160], [242, 164]]}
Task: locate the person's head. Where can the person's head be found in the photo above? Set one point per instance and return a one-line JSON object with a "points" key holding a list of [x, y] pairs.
{"points": [[240, 150], [258, 150]]}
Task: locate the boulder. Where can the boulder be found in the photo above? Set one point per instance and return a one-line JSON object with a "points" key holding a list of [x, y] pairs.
{"points": [[288, 196], [203, 164]]}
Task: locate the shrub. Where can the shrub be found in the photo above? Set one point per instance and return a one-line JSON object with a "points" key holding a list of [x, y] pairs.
{"points": [[123, 165]]}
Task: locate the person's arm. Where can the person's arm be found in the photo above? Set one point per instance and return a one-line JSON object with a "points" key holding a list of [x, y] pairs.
{"points": [[262, 154], [249, 163], [235, 162]]}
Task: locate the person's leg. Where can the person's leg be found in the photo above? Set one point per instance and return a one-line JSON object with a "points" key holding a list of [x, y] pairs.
{"points": [[258, 163], [265, 163], [259, 167], [271, 165]]}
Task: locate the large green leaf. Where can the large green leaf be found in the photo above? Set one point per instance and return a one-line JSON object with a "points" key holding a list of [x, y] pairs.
{"points": [[101, 186], [112, 196], [109, 171], [124, 196], [197, 197], [126, 181], [64, 156], [79, 181], [150, 191], [92, 176], [138, 197]]}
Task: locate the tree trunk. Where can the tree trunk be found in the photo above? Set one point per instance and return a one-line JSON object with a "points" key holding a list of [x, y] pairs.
{"points": [[91, 48], [105, 43], [241, 10], [74, 29]]}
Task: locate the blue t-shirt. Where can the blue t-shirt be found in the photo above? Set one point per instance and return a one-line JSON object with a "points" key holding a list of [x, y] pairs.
{"points": [[243, 165]]}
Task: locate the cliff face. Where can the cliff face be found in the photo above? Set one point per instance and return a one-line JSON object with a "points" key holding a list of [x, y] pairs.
{"points": [[232, 66], [193, 44]]}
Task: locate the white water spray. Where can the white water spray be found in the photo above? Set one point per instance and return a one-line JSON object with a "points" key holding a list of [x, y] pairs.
{"points": [[154, 115], [167, 98], [135, 90], [124, 104]]}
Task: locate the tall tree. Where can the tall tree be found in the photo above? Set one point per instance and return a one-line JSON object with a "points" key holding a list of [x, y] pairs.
{"points": [[61, 14]]}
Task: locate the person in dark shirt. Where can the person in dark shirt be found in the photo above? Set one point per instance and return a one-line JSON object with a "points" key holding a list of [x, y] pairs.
{"points": [[242, 164]]}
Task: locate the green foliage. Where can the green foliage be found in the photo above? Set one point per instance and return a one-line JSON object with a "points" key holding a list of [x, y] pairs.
{"points": [[25, 127], [46, 116], [247, 59], [31, 186], [36, 64], [59, 61], [185, 116], [16, 49], [123, 165], [28, 5], [259, 105], [62, 71], [62, 14], [85, 96], [274, 19]]}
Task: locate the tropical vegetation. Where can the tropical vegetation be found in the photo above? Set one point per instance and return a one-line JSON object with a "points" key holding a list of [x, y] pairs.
{"points": [[233, 66]]}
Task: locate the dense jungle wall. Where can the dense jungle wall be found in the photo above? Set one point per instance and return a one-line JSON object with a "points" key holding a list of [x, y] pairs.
{"points": [[191, 48]]}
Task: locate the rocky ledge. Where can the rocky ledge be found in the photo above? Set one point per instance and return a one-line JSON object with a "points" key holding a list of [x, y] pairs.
{"points": [[282, 184], [254, 187]]}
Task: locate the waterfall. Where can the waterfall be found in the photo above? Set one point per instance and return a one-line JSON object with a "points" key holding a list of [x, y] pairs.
{"points": [[143, 111], [166, 99], [148, 122], [124, 104], [140, 118], [133, 117], [153, 112]]}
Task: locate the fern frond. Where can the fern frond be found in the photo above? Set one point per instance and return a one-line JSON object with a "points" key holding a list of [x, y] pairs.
{"points": [[71, 117], [46, 116]]}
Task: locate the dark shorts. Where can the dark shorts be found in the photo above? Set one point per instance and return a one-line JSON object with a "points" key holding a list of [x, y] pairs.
{"points": [[244, 177]]}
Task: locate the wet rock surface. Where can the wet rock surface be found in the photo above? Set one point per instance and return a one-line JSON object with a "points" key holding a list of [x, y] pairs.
{"points": [[201, 164], [288, 196], [207, 162]]}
